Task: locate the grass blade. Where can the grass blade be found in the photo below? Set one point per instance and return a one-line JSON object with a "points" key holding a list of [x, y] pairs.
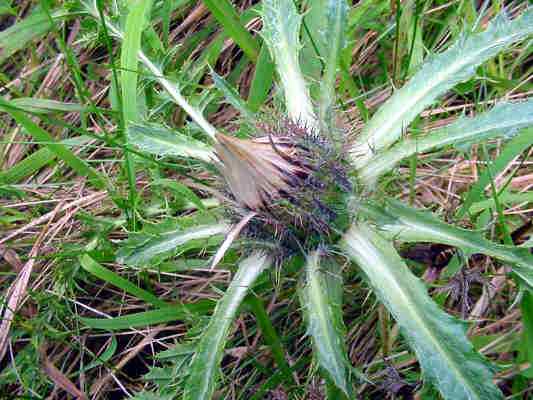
{"points": [[406, 224], [499, 121], [36, 160], [324, 322], [131, 45], [161, 142], [201, 382], [438, 75], [271, 337], [16, 37], [281, 31], [515, 146], [232, 96], [59, 149], [136, 21], [91, 266], [262, 80], [226, 15], [45, 106], [152, 317], [446, 356]]}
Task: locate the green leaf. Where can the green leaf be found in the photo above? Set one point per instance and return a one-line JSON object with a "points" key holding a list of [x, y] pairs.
{"points": [[106, 275], [446, 356], [160, 141], [171, 88], [17, 36], [500, 121], [270, 336], [136, 20], [438, 75], [104, 357], [262, 80], [333, 40], [526, 307], [59, 149], [226, 15], [509, 152], [145, 318], [36, 160], [155, 246], [403, 223], [5, 8], [281, 30], [181, 190], [506, 198], [323, 314], [45, 106], [232, 96], [202, 380]]}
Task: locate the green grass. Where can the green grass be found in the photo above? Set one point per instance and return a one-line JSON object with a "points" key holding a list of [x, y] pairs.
{"points": [[105, 151]]}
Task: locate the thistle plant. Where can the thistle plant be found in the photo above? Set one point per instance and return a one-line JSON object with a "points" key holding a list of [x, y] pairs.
{"points": [[303, 188]]}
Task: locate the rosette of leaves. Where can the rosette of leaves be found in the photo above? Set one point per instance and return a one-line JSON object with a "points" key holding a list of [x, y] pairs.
{"points": [[304, 186]]}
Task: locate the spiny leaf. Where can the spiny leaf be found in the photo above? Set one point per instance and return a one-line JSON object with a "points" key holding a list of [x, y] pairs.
{"points": [[333, 41], [436, 76], [160, 141], [506, 198], [446, 356], [156, 246], [324, 322], [171, 88], [281, 30], [406, 224], [503, 119], [201, 382], [181, 190]]}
